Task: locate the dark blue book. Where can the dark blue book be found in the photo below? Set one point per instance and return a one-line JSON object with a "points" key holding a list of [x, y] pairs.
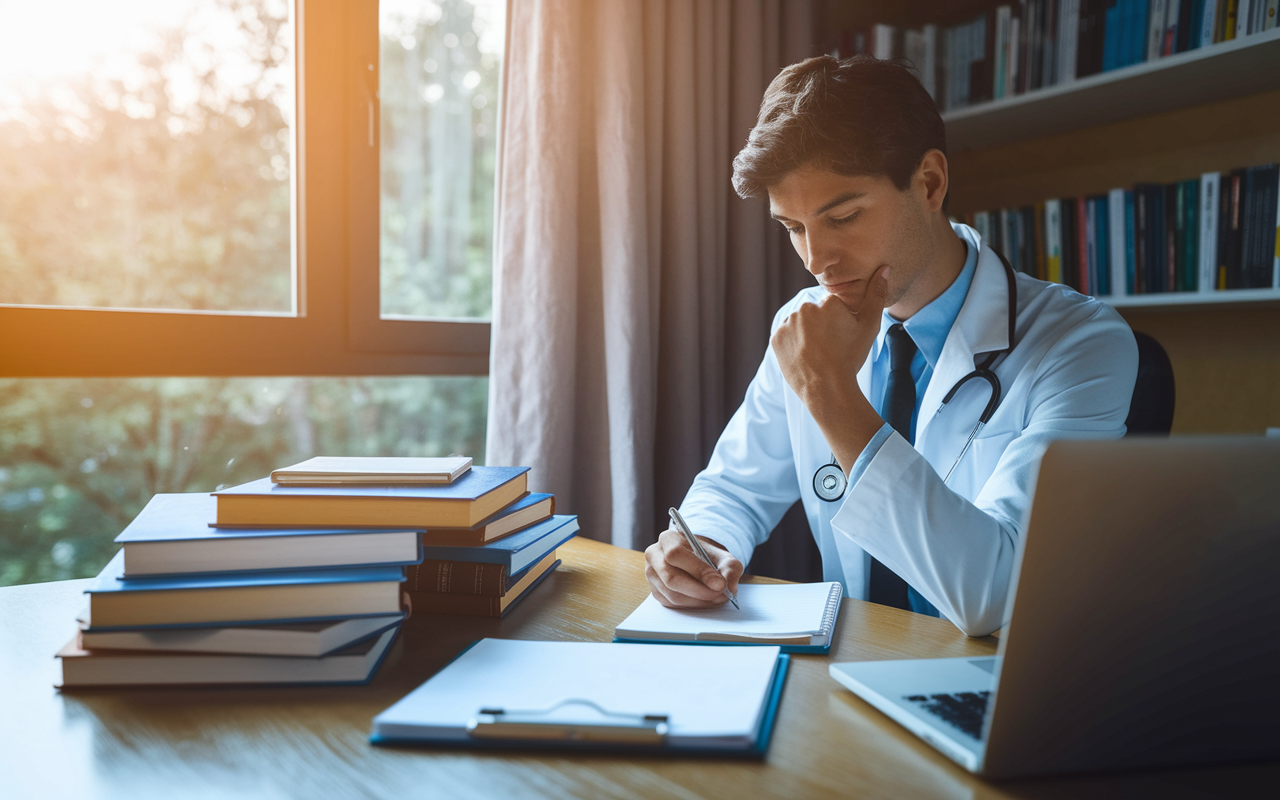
{"points": [[172, 536], [516, 551], [531, 508], [480, 493], [1111, 36], [230, 598]]}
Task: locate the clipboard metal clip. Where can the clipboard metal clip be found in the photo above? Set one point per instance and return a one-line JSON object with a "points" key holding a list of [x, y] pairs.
{"points": [[597, 725]]}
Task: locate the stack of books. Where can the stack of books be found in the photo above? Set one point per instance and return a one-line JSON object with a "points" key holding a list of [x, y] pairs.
{"points": [[1209, 234], [297, 578]]}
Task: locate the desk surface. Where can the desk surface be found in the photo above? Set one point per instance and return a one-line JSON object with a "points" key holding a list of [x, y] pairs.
{"points": [[313, 743]]}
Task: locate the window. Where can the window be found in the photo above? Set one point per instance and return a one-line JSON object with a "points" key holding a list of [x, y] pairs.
{"points": [[147, 155], [213, 196]]}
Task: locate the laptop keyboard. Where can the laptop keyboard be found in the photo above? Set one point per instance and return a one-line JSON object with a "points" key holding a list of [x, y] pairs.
{"points": [[964, 710]]}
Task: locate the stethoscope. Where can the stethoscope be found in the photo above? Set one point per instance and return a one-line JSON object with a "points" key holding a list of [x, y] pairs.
{"points": [[829, 481]]}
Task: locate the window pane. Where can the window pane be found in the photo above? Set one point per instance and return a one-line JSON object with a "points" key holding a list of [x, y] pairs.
{"points": [[146, 154], [439, 90], [80, 457]]}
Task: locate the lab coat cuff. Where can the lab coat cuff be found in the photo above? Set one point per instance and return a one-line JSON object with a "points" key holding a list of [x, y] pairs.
{"points": [[868, 453]]}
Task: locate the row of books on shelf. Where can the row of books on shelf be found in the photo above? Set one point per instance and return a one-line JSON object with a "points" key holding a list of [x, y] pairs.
{"points": [[1032, 44], [310, 582], [1218, 232]]}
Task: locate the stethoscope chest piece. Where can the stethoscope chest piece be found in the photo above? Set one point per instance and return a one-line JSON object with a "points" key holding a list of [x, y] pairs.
{"points": [[829, 482]]}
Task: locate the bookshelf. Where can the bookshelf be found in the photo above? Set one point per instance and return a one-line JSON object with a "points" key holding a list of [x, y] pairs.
{"points": [[1208, 74], [1174, 299]]}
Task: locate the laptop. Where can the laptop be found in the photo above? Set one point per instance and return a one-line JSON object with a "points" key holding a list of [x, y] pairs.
{"points": [[1145, 624]]}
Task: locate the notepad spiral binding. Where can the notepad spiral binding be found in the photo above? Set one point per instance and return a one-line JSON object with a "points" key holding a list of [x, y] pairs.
{"points": [[832, 610]]}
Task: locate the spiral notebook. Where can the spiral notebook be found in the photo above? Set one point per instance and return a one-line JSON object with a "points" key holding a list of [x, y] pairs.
{"points": [[801, 617]]}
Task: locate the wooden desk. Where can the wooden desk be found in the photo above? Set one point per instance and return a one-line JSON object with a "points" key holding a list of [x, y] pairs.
{"points": [[313, 743]]}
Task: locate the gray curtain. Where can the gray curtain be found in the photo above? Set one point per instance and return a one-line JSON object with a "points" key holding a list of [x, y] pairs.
{"points": [[632, 289]]}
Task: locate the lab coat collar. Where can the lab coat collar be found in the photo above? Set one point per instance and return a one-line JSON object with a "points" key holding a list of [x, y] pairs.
{"points": [[981, 327]]}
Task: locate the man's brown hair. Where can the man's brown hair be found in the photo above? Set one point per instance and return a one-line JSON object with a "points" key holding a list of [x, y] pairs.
{"points": [[859, 116]]}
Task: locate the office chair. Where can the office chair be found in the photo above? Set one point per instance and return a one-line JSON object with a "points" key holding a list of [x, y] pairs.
{"points": [[1151, 409]]}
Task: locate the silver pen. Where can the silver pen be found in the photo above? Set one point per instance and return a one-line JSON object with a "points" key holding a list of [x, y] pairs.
{"points": [[696, 547]]}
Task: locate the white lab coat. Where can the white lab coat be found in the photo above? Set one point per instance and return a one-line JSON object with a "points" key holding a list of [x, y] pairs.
{"points": [[1071, 374]]}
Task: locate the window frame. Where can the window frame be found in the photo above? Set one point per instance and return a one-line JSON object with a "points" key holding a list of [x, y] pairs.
{"points": [[337, 329]]}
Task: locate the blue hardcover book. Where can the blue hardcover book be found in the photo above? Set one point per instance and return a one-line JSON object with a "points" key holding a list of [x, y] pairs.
{"points": [[1138, 31], [533, 507], [172, 536], [231, 598], [479, 494], [516, 551]]}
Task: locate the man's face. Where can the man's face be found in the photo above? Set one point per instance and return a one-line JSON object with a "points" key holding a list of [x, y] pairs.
{"points": [[845, 227]]}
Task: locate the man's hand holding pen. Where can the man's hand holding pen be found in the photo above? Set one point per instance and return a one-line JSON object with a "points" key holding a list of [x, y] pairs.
{"points": [[679, 579]]}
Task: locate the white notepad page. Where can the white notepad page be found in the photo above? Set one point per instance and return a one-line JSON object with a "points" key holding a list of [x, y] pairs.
{"points": [[768, 611], [714, 696]]}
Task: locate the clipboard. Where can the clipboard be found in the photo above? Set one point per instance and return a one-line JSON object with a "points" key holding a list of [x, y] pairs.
{"points": [[583, 723]]}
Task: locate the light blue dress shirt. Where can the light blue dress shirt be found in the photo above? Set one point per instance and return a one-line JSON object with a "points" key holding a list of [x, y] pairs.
{"points": [[928, 328]]}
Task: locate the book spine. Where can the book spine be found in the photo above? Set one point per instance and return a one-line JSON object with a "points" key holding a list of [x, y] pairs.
{"points": [[1053, 240], [1000, 69], [1273, 11], [1155, 29], [1275, 245], [1035, 37], [1068, 39], [1116, 238], [1174, 217], [1169, 43], [1224, 226], [882, 38], [1191, 234], [1102, 246], [1253, 225], [1049, 53], [1186, 11], [1013, 77], [1082, 246], [1266, 228], [1140, 239], [458, 577], [929, 69], [1138, 31], [1167, 199], [1110, 35], [1244, 10], [1232, 259], [1041, 242], [1130, 243], [1208, 230]]}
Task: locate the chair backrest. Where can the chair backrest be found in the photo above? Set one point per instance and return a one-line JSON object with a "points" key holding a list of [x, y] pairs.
{"points": [[1151, 409]]}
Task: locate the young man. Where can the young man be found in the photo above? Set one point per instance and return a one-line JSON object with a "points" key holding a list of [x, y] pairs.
{"points": [[912, 500]]}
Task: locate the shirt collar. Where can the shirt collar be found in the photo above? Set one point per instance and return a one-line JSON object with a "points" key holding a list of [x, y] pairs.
{"points": [[930, 325]]}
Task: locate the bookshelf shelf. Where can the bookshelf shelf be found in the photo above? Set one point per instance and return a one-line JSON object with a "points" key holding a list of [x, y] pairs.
{"points": [[1217, 72], [1172, 299]]}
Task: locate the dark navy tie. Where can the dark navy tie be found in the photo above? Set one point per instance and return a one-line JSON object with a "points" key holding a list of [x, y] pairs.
{"points": [[899, 404]]}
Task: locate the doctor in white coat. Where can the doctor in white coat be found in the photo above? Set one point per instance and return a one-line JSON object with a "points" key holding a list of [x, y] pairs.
{"points": [[852, 158]]}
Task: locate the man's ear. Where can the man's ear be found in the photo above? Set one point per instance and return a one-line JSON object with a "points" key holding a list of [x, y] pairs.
{"points": [[931, 180]]}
